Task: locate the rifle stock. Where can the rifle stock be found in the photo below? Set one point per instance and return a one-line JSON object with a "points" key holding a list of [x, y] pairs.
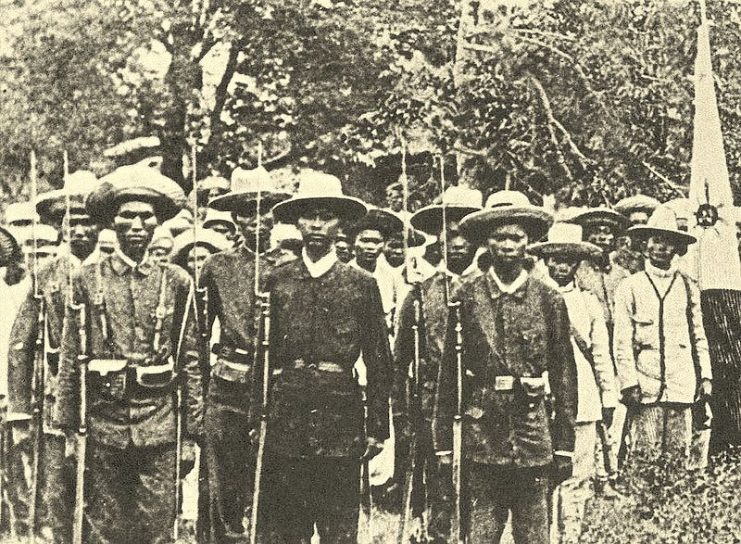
{"points": [[81, 446], [37, 420], [266, 372], [457, 536]]}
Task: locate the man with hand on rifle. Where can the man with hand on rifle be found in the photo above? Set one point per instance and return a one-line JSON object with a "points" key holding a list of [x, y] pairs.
{"points": [[54, 489], [431, 300], [507, 347], [228, 279], [127, 334], [325, 316]]}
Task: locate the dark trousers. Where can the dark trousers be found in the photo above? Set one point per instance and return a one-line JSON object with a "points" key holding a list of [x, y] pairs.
{"points": [[493, 492], [431, 482], [231, 465], [55, 499], [303, 492], [130, 494]]}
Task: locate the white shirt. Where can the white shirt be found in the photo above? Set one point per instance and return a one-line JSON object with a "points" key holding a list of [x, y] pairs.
{"points": [[320, 267]]}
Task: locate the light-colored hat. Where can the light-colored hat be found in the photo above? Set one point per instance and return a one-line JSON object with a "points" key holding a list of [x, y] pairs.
{"points": [[46, 236], [107, 237], [637, 203], [9, 249], [682, 207], [162, 238], [504, 207], [281, 232], [213, 182], [218, 216], [565, 239], [135, 182], [180, 223], [246, 186], [52, 205], [19, 214], [318, 188], [601, 216], [663, 222], [384, 221], [458, 201], [185, 241]]}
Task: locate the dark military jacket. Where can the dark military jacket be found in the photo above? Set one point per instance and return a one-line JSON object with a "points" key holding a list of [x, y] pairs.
{"points": [[119, 413], [53, 288], [314, 321], [228, 279], [433, 328], [522, 334], [603, 281]]}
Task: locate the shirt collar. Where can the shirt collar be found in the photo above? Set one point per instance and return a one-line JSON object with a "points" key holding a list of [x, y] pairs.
{"points": [[510, 288], [121, 263], [658, 272], [320, 267]]}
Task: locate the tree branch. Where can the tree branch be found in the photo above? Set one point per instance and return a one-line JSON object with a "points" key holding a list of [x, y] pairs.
{"points": [[552, 122], [681, 190]]}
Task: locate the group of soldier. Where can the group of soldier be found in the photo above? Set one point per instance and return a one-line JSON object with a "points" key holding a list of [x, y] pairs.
{"points": [[306, 354]]}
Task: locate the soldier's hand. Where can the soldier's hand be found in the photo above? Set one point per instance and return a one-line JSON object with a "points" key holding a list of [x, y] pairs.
{"points": [[372, 448], [445, 457], [706, 388], [187, 457], [562, 467], [632, 396], [607, 416], [21, 432]]}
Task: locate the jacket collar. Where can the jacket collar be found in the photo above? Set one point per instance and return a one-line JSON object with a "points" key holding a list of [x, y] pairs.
{"points": [[517, 289], [320, 267], [121, 264]]}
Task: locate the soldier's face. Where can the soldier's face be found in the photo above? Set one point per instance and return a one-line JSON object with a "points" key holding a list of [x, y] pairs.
{"points": [[507, 244], [603, 236], [460, 250], [395, 199], [344, 250], [83, 235], [368, 246], [660, 251], [562, 268], [134, 225], [318, 226], [196, 257], [248, 226], [394, 251]]}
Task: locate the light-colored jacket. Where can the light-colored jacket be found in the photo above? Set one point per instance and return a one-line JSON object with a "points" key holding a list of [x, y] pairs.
{"points": [[597, 384], [654, 340]]}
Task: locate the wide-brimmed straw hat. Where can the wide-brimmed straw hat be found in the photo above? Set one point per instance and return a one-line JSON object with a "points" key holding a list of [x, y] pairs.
{"points": [[319, 189], [637, 203], [384, 221], [565, 239], [247, 187], [218, 216], [506, 207], [9, 249], [662, 222], [185, 241], [135, 182], [52, 205], [213, 182], [600, 216], [19, 214], [458, 202]]}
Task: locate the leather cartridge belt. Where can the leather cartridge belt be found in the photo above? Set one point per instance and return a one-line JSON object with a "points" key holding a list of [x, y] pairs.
{"points": [[120, 378], [318, 366], [238, 356], [507, 383]]}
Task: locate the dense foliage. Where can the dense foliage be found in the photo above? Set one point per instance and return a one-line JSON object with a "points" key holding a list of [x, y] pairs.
{"points": [[587, 99]]}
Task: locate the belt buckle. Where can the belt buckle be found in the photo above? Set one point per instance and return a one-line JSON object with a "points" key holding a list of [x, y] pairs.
{"points": [[504, 383]]}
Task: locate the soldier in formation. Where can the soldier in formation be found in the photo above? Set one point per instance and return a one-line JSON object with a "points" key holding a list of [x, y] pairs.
{"points": [[263, 334]]}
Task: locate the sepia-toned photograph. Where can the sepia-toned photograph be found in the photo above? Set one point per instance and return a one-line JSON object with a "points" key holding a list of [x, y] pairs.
{"points": [[370, 271]]}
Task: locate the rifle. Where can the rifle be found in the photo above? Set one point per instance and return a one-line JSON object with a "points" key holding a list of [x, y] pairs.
{"points": [[457, 536], [39, 366], [82, 361], [366, 501], [262, 347], [416, 419]]}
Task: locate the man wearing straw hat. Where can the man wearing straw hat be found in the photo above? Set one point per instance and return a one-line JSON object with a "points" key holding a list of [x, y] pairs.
{"points": [[64, 208], [660, 346], [326, 317], [134, 312], [229, 281], [516, 346], [432, 294], [597, 394], [637, 209]]}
